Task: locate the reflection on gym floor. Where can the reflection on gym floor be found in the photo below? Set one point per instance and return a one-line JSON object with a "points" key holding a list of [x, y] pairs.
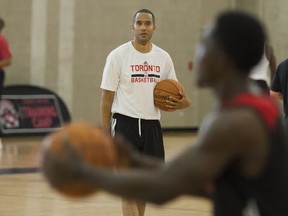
{"points": [[24, 191]]}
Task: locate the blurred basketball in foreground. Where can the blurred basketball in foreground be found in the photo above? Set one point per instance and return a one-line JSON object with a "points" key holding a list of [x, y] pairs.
{"points": [[93, 145], [163, 90]]}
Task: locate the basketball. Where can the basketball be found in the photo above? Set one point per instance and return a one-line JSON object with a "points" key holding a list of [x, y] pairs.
{"points": [[93, 144], [163, 90]]}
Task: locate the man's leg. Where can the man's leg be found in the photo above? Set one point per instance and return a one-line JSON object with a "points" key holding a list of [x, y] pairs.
{"points": [[133, 208], [127, 127], [141, 208]]}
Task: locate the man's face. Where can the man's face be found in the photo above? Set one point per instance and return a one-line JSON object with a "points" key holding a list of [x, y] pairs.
{"points": [[143, 27]]}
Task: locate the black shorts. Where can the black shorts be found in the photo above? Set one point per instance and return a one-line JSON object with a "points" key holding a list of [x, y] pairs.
{"points": [[144, 135]]}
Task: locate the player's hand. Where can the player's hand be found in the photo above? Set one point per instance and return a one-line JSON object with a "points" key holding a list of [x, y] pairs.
{"points": [[128, 157], [174, 103], [125, 152], [70, 165]]}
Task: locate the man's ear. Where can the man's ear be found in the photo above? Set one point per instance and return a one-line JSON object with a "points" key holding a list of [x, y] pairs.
{"points": [[223, 61]]}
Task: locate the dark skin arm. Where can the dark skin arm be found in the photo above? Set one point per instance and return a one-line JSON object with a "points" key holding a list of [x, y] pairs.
{"points": [[276, 95], [128, 157], [226, 138], [197, 167], [272, 60]]}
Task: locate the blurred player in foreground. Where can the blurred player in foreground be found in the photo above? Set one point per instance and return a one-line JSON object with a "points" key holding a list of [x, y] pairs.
{"points": [[240, 160]]}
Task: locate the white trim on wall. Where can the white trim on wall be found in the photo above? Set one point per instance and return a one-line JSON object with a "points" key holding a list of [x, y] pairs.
{"points": [[38, 42], [66, 51]]}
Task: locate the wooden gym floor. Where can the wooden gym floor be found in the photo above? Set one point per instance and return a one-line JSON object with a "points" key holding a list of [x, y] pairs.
{"points": [[24, 192]]}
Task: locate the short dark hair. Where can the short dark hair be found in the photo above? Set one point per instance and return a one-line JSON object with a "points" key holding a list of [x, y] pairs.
{"points": [[144, 11], [241, 36], [2, 23]]}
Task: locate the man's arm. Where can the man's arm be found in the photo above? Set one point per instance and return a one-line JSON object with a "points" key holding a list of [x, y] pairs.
{"points": [[5, 62], [276, 95], [226, 139], [175, 104], [272, 60], [105, 108], [128, 157], [279, 99]]}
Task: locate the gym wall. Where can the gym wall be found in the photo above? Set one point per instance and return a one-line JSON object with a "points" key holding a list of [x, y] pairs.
{"points": [[62, 45]]}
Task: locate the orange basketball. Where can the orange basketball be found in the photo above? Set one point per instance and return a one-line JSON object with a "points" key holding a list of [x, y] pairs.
{"points": [[94, 145], [163, 90]]}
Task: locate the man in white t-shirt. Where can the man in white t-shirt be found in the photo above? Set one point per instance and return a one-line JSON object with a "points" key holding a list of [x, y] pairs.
{"points": [[131, 72]]}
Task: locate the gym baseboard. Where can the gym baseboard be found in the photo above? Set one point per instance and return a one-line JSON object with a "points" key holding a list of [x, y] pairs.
{"points": [[182, 129]]}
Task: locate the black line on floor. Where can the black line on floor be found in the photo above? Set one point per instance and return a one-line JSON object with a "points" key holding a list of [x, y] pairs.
{"points": [[20, 170]]}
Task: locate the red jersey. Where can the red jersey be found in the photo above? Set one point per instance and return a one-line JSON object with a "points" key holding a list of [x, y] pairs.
{"points": [[268, 193], [4, 48]]}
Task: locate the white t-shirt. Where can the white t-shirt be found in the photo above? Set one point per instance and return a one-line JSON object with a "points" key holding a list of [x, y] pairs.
{"points": [[133, 76], [261, 70]]}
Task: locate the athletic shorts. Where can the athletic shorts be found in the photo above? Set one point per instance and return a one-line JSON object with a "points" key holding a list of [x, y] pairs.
{"points": [[144, 135]]}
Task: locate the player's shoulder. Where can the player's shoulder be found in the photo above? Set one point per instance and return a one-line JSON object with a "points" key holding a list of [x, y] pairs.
{"points": [[234, 117], [227, 119], [232, 126]]}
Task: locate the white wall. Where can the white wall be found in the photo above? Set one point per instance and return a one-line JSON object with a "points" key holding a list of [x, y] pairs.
{"points": [[62, 44]]}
